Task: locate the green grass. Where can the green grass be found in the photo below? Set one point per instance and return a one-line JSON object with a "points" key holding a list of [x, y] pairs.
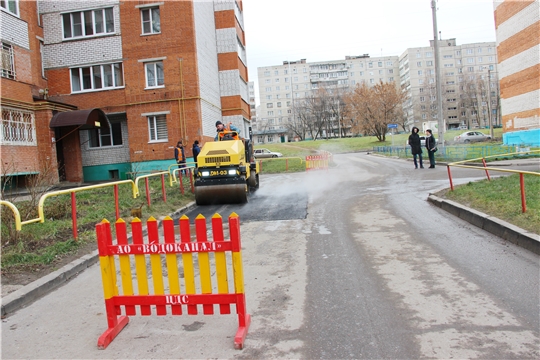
{"points": [[41, 243], [501, 197]]}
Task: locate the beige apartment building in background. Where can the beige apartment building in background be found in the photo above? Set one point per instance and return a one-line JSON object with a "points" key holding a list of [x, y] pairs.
{"points": [[469, 82], [280, 86]]}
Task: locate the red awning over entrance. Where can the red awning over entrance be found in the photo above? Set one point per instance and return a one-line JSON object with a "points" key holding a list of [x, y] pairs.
{"points": [[85, 119]]}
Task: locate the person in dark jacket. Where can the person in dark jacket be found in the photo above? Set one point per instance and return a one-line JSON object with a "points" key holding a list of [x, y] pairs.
{"points": [[431, 146], [416, 147], [196, 150]]}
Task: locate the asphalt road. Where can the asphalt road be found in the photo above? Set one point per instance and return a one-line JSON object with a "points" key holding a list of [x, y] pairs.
{"points": [[352, 262]]}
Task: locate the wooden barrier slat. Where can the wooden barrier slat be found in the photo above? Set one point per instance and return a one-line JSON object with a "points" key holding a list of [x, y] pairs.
{"points": [[140, 264], [204, 263], [175, 300], [221, 262], [172, 264], [125, 264], [187, 260], [155, 263]]}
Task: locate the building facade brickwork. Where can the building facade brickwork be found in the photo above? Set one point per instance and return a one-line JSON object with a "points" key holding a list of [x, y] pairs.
{"points": [[518, 45]]}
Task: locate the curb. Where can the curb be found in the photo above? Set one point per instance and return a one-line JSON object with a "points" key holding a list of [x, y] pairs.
{"points": [[41, 287], [491, 224]]}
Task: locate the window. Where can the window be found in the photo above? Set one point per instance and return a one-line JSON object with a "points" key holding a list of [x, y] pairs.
{"points": [[429, 54], [267, 81], [11, 6], [97, 77], [470, 51], [277, 88], [103, 137], [480, 59], [154, 74], [151, 23], [458, 52], [370, 65], [88, 23], [8, 63], [294, 71], [41, 50], [379, 64], [267, 73], [470, 60], [157, 128], [419, 72], [18, 127], [268, 97], [390, 71], [420, 81], [270, 113], [418, 55], [268, 89], [269, 105], [389, 63], [279, 104], [429, 63], [276, 72], [419, 64], [447, 56], [277, 80]]}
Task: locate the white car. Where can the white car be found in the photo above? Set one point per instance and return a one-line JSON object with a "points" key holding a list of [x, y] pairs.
{"points": [[265, 153], [471, 136]]}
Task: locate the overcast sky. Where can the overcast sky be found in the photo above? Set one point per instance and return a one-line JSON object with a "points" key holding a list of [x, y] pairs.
{"points": [[278, 30]]}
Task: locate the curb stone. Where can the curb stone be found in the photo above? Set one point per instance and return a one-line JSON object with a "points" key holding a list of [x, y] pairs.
{"points": [[41, 287], [491, 224]]}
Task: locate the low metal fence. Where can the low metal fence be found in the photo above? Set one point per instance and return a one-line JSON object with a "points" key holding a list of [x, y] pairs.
{"points": [[454, 152], [485, 168]]}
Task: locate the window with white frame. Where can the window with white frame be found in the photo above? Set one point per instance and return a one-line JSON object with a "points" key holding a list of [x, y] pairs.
{"points": [[154, 74], [105, 137], [11, 6], [8, 61], [88, 23], [97, 77], [157, 128], [151, 21], [18, 127]]}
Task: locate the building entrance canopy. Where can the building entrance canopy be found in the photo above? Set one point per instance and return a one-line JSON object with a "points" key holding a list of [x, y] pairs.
{"points": [[84, 119]]}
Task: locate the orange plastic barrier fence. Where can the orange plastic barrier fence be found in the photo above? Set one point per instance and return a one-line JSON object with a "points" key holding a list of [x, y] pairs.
{"points": [[317, 162], [123, 253]]}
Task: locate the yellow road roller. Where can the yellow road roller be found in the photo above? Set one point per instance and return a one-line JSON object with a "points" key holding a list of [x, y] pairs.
{"points": [[226, 171]]}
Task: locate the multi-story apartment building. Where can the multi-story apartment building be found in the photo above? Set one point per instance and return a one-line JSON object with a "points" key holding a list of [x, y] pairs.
{"points": [[27, 144], [149, 73], [518, 48], [280, 86], [468, 80]]}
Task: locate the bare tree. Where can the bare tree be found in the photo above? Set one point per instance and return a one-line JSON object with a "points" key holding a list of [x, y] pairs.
{"points": [[375, 107]]}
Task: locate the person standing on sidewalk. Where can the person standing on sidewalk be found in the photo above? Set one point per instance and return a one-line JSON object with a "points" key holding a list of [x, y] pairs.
{"points": [[416, 147], [431, 146]]}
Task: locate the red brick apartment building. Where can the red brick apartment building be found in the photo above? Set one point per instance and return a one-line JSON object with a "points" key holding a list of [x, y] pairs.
{"points": [[114, 85]]}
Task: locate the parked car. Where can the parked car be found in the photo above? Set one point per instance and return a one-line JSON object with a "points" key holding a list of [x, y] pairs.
{"points": [[265, 153], [471, 136], [423, 141]]}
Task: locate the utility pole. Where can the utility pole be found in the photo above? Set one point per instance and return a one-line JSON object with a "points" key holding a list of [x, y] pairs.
{"points": [[440, 119], [489, 104]]}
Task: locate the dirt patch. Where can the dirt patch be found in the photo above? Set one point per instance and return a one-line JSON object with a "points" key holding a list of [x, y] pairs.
{"points": [[23, 275]]}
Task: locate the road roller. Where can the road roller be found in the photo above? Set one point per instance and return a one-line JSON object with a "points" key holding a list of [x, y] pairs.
{"points": [[226, 171]]}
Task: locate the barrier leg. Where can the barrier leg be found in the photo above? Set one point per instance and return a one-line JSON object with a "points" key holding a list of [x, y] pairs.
{"points": [[116, 324], [244, 320], [522, 187]]}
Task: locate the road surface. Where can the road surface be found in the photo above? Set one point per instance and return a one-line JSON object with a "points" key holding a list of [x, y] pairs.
{"points": [[352, 262]]}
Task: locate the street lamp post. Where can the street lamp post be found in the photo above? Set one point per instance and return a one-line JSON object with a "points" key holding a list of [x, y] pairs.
{"points": [[440, 120]]}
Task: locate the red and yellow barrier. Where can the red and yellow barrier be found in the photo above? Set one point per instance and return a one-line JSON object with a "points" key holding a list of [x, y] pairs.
{"points": [[318, 162], [121, 253]]}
